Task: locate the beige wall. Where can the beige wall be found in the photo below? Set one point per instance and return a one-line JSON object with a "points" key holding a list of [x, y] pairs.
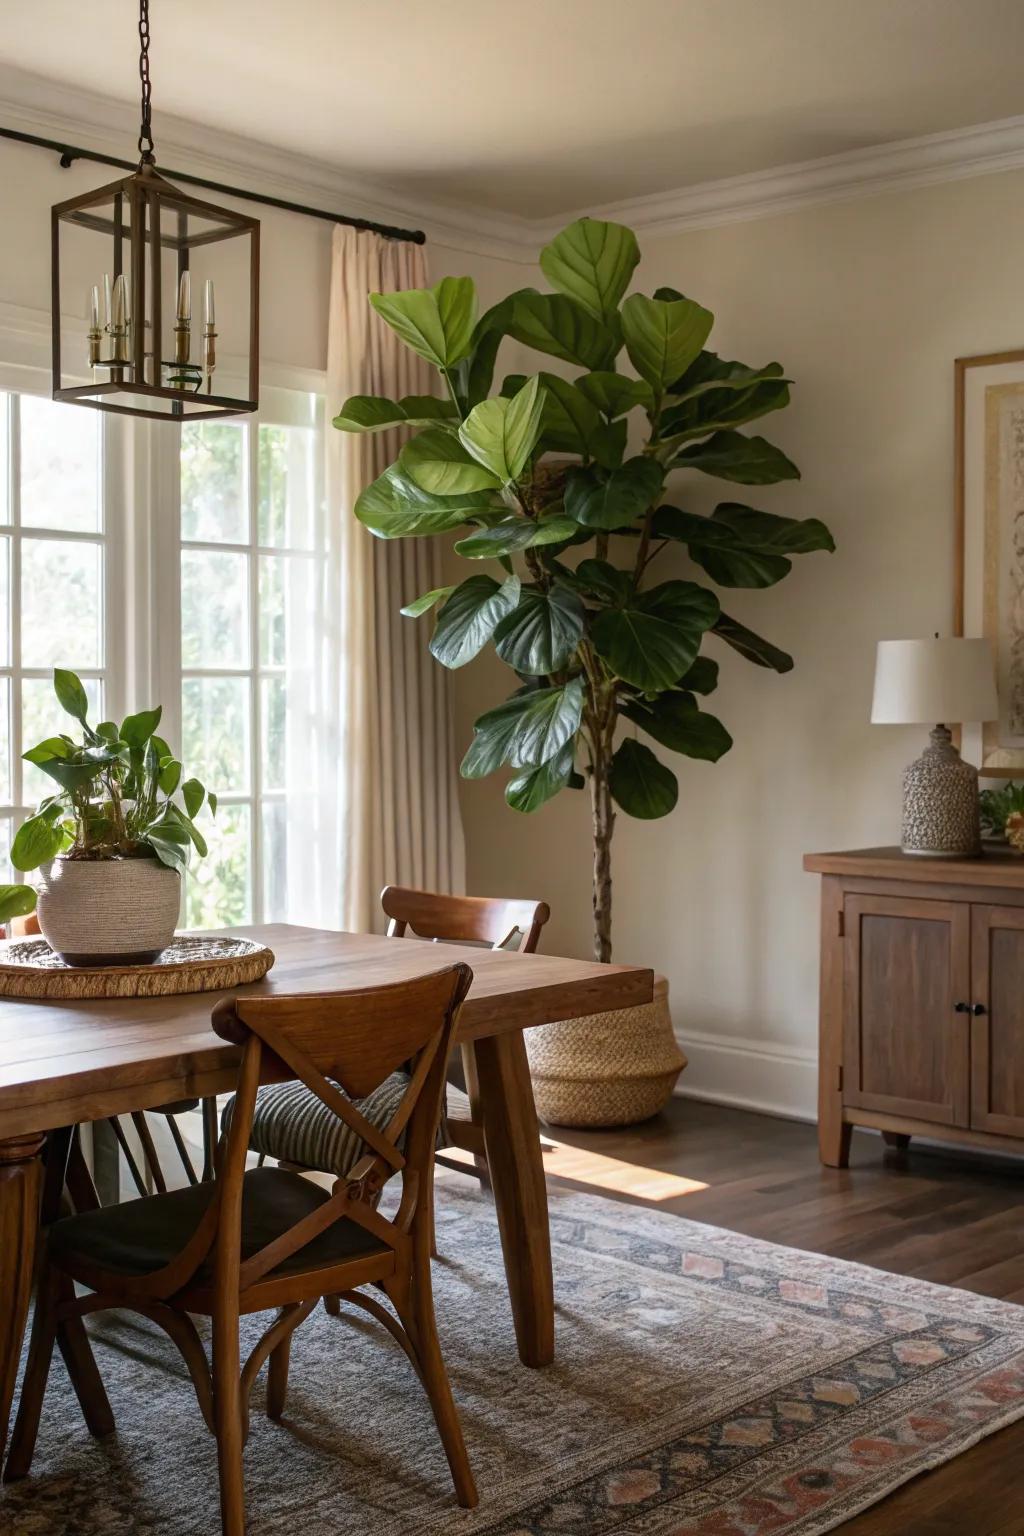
{"points": [[867, 304]]}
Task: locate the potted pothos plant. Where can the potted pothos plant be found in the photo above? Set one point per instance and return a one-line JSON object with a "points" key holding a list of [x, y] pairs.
{"points": [[113, 840], [565, 492]]}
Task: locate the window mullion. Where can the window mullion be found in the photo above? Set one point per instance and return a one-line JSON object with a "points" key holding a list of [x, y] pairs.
{"points": [[256, 728], [16, 744]]}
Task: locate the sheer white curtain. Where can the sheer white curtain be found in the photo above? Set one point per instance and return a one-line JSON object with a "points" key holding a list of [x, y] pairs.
{"points": [[388, 781]]}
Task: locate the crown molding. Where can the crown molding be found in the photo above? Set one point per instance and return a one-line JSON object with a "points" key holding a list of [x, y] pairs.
{"points": [[35, 104], [981, 150]]}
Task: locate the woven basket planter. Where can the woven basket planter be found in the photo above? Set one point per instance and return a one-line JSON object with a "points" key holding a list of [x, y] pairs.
{"points": [[608, 1068], [107, 911]]}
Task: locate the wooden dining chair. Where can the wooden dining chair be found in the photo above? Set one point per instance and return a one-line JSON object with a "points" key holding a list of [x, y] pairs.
{"points": [[269, 1238], [151, 1174], [492, 920], [290, 1124]]}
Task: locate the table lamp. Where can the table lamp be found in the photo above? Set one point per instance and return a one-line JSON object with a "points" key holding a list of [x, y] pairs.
{"points": [[938, 683]]}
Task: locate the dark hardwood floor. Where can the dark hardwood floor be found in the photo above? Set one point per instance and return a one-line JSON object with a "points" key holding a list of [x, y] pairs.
{"points": [[956, 1218]]}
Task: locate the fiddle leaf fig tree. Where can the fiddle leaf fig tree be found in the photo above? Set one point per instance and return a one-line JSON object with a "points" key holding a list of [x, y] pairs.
{"points": [[561, 489]]}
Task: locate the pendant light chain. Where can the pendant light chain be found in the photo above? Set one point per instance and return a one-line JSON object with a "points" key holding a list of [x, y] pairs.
{"points": [[145, 141]]}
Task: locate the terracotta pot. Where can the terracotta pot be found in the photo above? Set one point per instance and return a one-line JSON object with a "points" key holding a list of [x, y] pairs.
{"points": [[612, 1068], [107, 911]]}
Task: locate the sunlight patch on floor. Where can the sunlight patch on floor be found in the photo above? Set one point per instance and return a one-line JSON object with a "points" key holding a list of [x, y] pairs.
{"points": [[595, 1171]]}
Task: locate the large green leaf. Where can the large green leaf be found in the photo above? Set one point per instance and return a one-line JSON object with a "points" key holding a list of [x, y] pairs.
{"points": [[374, 413], [71, 696], [641, 785], [137, 729], [437, 462], [17, 901], [675, 720], [702, 676], [532, 788], [422, 605], [501, 434], [394, 507], [435, 322], [570, 422], [614, 394], [739, 546], [540, 636], [475, 373], [468, 618], [710, 407], [734, 456], [601, 579], [552, 323], [527, 730], [503, 538], [751, 646], [598, 499], [592, 263], [37, 840], [654, 639], [663, 336]]}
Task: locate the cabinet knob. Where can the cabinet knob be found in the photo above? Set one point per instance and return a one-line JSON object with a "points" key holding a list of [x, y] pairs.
{"points": [[977, 1009], [961, 1008]]}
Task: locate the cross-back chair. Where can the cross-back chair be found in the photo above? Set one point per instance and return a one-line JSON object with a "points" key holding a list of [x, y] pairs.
{"points": [[492, 920], [249, 1241]]}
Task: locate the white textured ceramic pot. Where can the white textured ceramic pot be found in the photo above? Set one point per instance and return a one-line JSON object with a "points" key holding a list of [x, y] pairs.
{"points": [[108, 911], [606, 1069]]}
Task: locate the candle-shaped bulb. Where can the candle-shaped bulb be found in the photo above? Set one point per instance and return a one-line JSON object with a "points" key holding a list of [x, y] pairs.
{"points": [[108, 302], [210, 312], [119, 309], [185, 298], [94, 308]]}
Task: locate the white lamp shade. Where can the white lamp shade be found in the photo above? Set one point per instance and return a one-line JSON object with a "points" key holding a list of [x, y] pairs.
{"points": [[934, 682]]}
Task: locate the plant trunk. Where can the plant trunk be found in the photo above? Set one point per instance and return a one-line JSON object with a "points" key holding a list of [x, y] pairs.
{"points": [[604, 823]]}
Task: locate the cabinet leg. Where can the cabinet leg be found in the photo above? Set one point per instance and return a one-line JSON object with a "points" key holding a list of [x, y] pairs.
{"points": [[834, 1143], [898, 1141]]}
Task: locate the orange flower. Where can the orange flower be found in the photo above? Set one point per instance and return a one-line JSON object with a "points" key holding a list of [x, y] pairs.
{"points": [[1015, 830]]}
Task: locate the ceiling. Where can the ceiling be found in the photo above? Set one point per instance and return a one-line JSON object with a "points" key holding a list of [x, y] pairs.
{"points": [[541, 107]]}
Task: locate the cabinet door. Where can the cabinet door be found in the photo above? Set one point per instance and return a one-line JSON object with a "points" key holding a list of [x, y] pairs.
{"points": [[906, 1049], [997, 1033]]}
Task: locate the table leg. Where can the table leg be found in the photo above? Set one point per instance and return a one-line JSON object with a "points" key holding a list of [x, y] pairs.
{"points": [[21, 1176], [512, 1140]]}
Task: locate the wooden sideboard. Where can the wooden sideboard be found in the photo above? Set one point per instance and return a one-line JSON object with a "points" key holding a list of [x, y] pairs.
{"points": [[922, 999]]}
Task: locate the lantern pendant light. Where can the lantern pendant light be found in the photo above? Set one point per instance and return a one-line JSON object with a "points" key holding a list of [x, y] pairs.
{"points": [[130, 246]]}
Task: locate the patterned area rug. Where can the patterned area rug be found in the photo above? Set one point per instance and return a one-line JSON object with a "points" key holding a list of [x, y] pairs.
{"points": [[704, 1383]]}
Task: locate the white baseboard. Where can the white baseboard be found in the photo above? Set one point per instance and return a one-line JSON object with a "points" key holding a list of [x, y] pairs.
{"points": [[750, 1074]]}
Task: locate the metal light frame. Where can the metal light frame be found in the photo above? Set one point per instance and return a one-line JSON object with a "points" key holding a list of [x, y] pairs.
{"points": [[147, 198], [159, 216]]}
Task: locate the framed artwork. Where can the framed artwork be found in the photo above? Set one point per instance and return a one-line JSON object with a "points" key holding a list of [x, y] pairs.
{"points": [[989, 505]]}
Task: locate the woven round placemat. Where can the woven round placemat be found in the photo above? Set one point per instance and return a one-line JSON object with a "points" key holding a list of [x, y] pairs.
{"points": [[192, 963]]}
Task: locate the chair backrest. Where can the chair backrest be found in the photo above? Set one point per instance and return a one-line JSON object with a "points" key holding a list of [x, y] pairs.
{"points": [[356, 1038], [492, 920]]}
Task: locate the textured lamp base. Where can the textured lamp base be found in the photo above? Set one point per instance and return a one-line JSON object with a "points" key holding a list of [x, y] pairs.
{"points": [[940, 803]]}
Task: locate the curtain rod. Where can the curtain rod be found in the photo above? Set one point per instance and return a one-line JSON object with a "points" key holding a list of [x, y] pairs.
{"points": [[69, 153]]}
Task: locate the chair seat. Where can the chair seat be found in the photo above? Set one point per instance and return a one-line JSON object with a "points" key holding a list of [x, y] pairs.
{"points": [[293, 1125], [143, 1235]]}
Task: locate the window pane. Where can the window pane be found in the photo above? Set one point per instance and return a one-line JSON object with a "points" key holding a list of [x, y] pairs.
{"points": [[219, 887], [272, 730], [286, 485], [61, 603], [42, 716], [60, 466], [7, 874], [213, 496], [5, 458], [214, 609], [5, 601], [286, 610], [215, 731], [6, 795], [275, 862]]}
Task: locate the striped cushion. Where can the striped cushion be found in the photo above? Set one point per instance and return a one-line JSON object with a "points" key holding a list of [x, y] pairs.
{"points": [[291, 1124]]}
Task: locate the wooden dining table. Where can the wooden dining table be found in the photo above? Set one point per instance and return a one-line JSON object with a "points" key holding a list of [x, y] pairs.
{"points": [[64, 1063]]}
